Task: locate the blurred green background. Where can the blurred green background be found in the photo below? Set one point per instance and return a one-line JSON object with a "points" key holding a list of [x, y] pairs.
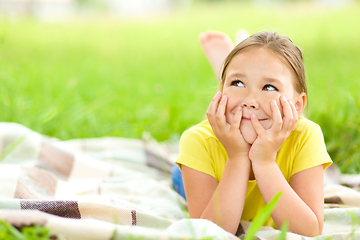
{"points": [[106, 75]]}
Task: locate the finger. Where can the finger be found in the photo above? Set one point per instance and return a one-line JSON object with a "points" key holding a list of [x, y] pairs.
{"points": [[235, 124], [214, 103], [220, 113], [293, 109], [259, 129], [286, 107], [211, 112], [276, 116], [294, 113], [288, 120]]}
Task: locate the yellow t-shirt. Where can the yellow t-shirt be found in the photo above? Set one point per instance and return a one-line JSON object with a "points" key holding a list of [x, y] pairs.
{"points": [[303, 149]]}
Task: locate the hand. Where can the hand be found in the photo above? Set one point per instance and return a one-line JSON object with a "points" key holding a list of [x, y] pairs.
{"points": [[269, 142], [228, 134]]}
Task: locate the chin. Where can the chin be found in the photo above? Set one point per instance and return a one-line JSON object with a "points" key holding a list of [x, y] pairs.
{"points": [[249, 134]]}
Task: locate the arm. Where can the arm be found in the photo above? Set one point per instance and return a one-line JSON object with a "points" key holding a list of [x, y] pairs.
{"points": [[221, 202], [302, 200]]}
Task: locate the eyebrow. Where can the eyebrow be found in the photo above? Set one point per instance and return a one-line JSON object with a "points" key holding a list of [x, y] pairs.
{"points": [[272, 80], [236, 75]]}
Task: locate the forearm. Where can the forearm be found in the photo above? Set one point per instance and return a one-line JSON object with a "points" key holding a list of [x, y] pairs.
{"points": [[226, 205], [291, 207]]}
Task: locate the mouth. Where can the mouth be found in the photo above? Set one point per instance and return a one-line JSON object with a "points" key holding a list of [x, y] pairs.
{"points": [[248, 119]]}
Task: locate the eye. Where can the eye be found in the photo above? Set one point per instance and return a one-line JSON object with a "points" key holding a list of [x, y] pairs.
{"points": [[237, 83], [269, 87]]}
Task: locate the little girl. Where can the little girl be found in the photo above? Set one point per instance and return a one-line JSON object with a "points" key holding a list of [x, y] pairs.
{"points": [[255, 142]]}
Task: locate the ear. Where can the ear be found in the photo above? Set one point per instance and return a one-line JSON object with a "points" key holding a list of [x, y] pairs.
{"points": [[300, 103]]}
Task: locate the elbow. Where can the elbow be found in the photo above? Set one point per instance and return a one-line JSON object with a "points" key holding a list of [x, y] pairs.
{"points": [[311, 229], [309, 232], [227, 226], [312, 233], [315, 229]]}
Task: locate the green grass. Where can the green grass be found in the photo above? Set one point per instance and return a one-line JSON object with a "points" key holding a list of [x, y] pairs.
{"points": [[121, 77], [261, 218], [33, 232]]}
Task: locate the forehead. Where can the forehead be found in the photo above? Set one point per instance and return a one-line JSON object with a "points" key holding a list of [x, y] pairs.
{"points": [[259, 54], [260, 62]]}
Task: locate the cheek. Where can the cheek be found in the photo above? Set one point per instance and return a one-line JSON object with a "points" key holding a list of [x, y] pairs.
{"points": [[228, 114], [267, 106]]}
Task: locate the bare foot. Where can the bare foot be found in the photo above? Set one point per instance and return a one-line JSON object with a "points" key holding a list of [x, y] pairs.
{"points": [[241, 34], [216, 46]]}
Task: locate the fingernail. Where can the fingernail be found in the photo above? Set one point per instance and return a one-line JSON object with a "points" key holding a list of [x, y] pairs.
{"points": [[223, 98], [283, 98], [217, 94], [253, 115], [274, 103]]}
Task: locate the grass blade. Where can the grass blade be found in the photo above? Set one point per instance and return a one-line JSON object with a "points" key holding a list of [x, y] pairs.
{"points": [[11, 147], [12, 231], [284, 229], [261, 217]]}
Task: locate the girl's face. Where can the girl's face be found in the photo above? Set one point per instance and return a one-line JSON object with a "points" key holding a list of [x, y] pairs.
{"points": [[255, 77]]}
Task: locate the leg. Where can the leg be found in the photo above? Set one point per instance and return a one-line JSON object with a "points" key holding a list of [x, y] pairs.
{"points": [[217, 46], [176, 176], [241, 34]]}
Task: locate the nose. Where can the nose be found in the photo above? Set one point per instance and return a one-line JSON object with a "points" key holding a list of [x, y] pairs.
{"points": [[250, 102]]}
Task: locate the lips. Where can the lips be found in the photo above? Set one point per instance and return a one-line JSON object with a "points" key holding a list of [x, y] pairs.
{"points": [[245, 119], [248, 119]]}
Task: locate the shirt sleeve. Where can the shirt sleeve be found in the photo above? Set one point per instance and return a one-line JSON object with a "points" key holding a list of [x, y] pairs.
{"points": [[311, 150], [194, 152]]}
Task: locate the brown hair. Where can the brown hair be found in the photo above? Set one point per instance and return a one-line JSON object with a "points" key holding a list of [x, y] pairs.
{"points": [[281, 46]]}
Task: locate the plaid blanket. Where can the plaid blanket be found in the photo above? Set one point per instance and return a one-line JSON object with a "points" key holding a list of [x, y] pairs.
{"points": [[116, 188]]}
